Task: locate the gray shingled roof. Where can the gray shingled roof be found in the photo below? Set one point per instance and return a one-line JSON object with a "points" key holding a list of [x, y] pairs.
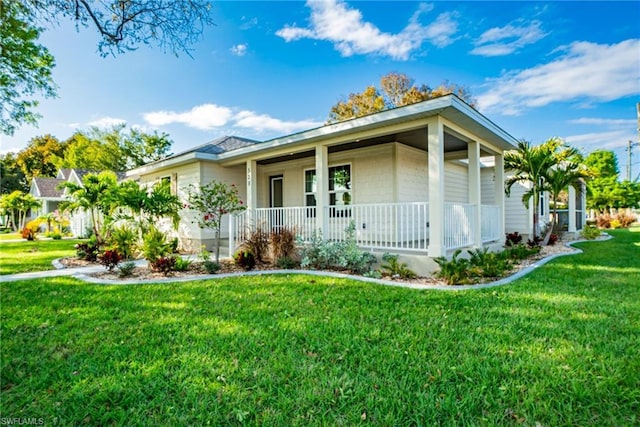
{"points": [[220, 145], [48, 187]]}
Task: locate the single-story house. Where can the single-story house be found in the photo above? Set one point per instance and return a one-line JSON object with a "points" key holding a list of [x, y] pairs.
{"points": [[420, 180]]}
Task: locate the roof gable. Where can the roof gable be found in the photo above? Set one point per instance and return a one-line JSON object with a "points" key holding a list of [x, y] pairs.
{"points": [[46, 187]]}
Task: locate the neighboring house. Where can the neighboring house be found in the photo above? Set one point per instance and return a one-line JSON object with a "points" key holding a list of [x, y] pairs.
{"points": [[48, 192], [424, 179]]}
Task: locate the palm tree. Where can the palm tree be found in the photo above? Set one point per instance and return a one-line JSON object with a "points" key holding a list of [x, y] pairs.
{"points": [[94, 196], [529, 163], [565, 174]]}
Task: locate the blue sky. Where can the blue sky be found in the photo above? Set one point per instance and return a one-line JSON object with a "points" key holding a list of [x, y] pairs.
{"points": [[267, 69]]}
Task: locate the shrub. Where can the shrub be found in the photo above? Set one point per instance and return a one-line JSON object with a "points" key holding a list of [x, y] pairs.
{"points": [[28, 233], [488, 264], [56, 235], [182, 264], [535, 242], [286, 263], [395, 268], [257, 243], [282, 242], [625, 219], [173, 245], [245, 259], [513, 239], [521, 251], [123, 239], [373, 274], [154, 245], [553, 239], [110, 259], [603, 220], [211, 267], [455, 271], [126, 269], [321, 254], [164, 264], [615, 224], [88, 251], [590, 232]]}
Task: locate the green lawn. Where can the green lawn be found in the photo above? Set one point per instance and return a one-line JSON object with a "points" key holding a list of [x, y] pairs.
{"points": [[559, 347], [10, 236], [24, 256]]}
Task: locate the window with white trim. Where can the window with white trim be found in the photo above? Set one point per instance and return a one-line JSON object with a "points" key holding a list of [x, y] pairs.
{"points": [[339, 186]]}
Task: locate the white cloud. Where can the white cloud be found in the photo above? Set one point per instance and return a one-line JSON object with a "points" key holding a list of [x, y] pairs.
{"points": [[584, 71], [239, 49], [210, 116], [103, 122], [506, 40], [264, 122], [600, 140], [336, 22], [203, 117], [603, 122], [248, 23]]}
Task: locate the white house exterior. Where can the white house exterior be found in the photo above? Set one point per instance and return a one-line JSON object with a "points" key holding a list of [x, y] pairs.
{"points": [[410, 179]]}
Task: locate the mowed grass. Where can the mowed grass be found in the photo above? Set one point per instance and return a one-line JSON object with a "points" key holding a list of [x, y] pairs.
{"points": [[37, 255], [559, 347], [10, 236]]}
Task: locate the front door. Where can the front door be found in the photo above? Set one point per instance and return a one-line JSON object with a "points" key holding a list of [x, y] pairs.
{"points": [[275, 196]]}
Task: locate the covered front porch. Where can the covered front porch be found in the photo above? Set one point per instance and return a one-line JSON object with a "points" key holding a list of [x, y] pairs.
{"points": [[426, 182]]}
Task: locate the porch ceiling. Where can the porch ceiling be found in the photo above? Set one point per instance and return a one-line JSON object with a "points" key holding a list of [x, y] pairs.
{"points": [[416, 138]]}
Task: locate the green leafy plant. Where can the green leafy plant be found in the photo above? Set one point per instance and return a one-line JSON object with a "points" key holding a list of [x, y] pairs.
{"points": [[245, 259], [522, 251], [211, 267], [373, 274], [396, 269], [155, 245], [182, 264], [110, 259], [126, 269], [123, 239], [590, 232], [88, 251], [455, 271], [488, 264], [55, 235], [286, 263]]}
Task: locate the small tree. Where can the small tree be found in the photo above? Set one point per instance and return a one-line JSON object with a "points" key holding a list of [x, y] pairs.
{"points": [[17, 205], [212, 202]]}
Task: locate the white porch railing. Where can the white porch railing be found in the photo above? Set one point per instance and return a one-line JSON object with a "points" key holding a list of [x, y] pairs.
{"points": [[491, 220], [458, 225], [388, 226], [385, 226]]}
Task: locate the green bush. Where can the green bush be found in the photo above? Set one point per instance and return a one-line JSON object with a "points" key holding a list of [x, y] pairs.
{"points": [[211, 267], [590, 232], [155, 245], [395, 268], [123, 239], [182, 264], [286, 263], [126, 269], [488, 264], [521, 251], [88, 251], [321, 254], [456, 271]]}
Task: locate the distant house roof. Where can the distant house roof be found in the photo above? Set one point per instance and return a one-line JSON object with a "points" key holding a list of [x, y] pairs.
{"points": [[47, 187]]}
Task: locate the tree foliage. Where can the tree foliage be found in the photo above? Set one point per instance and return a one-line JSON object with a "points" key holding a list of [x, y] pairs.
{"points": [[17, 205], [396, 90], [11, 175], [604, 190], [25, 67], [211, 202], [39, 157], [532, 164], [123, 25]]}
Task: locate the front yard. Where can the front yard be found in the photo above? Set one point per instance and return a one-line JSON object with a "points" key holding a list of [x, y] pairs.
{"points": [[558, 347], [25, 256]]}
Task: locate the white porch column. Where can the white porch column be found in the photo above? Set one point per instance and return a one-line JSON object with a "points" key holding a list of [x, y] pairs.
{"points": [[435, 148], [252, 191], [322, 189], [498, 172], [583, 203], [475, 191], [572, 209]]}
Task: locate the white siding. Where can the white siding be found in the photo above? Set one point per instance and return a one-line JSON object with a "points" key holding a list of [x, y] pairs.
{"points": [[456, 183], [516, 214], [487, 186], [412, 174]]}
